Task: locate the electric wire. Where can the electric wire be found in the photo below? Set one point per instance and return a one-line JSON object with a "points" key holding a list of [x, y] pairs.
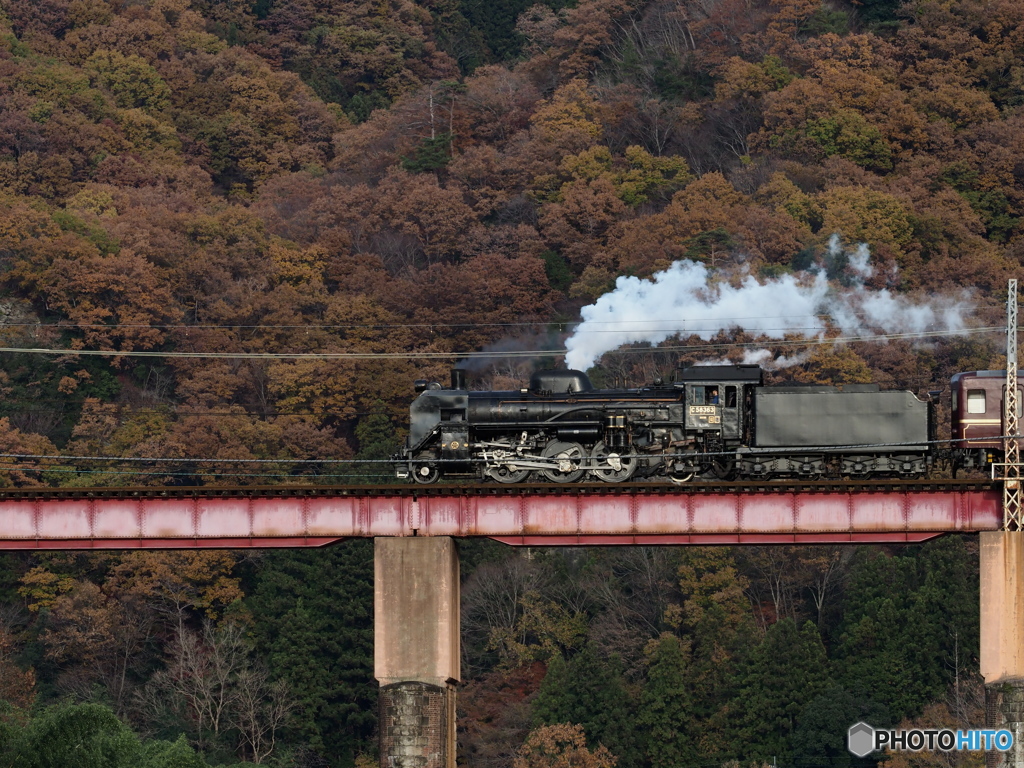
{"points": [[463, 355], [392, 461], [158, 459], [390, 326], [75, 471]]}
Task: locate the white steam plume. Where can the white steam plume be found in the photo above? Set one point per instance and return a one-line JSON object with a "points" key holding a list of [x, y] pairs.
{"points": [[679, 301]]}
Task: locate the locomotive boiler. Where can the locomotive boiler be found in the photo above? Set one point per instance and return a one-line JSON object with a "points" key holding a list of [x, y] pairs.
{"points": [[716, 421]]}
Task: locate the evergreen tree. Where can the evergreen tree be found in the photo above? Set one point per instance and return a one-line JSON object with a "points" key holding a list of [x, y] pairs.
{"points": [[715, 617], [497, 22], [911, 625], [313, 612], [891, 654], [552, 703], [377, 443], [785, 672], [665, 708], [949, 595], [432, 154], [819, 740], [590, 692], [80, 735], [171, 754], [85, 736]]}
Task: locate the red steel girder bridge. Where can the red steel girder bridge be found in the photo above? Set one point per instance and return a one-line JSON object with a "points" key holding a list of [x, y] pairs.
{"points": [[634, 514], [417, 648]]}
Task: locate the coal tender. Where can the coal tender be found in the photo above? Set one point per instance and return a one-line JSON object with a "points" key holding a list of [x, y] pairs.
{"points": [[818, 431]]}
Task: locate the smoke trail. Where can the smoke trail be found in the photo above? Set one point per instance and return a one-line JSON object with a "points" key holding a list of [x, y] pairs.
{"points": [[860, 259], [497, 352], [766, 359], [680, 301], [763, 357]]}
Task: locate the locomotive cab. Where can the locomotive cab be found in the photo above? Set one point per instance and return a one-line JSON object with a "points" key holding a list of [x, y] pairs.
{"points": [[717, 398]]}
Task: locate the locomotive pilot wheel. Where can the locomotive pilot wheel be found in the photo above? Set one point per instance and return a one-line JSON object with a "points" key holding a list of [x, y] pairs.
{"points": [[425, 473], [569, 457], [611, 466]]}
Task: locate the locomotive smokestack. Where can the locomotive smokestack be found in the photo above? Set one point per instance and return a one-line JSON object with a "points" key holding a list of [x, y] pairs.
{"points": [[458, 378]]}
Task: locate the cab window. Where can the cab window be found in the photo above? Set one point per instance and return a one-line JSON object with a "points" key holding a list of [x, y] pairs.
{"points": [[976, 401], [697, 395], [730, 397]]}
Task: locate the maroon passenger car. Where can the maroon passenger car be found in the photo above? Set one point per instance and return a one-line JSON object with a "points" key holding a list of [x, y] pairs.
{"points": [[977, 418]]}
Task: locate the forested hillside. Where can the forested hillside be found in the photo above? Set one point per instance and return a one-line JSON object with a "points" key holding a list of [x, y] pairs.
{"points": [[402, 184]]}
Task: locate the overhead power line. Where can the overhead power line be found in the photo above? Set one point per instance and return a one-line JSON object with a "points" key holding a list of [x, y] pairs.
{"points": [[195, 460], [66, 324], [157, 459], [486, 354], [164, 473]]}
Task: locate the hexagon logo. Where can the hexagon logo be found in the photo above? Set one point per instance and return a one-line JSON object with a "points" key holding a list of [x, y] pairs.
{"points": [[860, 739]]}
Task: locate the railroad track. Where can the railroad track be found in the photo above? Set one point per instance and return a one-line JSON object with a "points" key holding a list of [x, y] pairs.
{"points": [[537, 489]]}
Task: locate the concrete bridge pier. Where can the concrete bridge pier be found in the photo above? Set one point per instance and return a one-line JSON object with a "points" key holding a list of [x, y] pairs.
{"points": [[1002, 640], [416, 649]]}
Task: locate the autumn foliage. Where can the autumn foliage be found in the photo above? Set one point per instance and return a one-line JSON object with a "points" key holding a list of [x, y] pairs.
{"points": [[273, 216], [561, 746], [317, 178]]}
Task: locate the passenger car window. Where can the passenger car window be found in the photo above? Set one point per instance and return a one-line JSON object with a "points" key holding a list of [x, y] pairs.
{"points": [[976, 401]]}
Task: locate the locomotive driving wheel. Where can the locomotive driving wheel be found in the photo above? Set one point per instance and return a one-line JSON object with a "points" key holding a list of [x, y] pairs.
{"points": [[507, 473], [569, 458], [611, 466]]}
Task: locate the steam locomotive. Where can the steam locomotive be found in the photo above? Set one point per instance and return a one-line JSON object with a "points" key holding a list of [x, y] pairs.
{"points": [[716, 421]]}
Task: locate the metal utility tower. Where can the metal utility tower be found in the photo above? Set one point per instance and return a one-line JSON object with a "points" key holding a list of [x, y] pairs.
{"points": [[1012, 517]]}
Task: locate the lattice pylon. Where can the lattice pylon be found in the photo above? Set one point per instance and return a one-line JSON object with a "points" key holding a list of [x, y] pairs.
{"points": [[1013, 520]]}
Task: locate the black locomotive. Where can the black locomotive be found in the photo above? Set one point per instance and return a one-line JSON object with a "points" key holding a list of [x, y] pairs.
{"points": [[715, 421]]}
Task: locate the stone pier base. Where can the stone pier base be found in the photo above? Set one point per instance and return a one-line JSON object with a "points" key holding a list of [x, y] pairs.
{"points": [[1004, 709], [416, 649], [1002, 640], [416, 725]]}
